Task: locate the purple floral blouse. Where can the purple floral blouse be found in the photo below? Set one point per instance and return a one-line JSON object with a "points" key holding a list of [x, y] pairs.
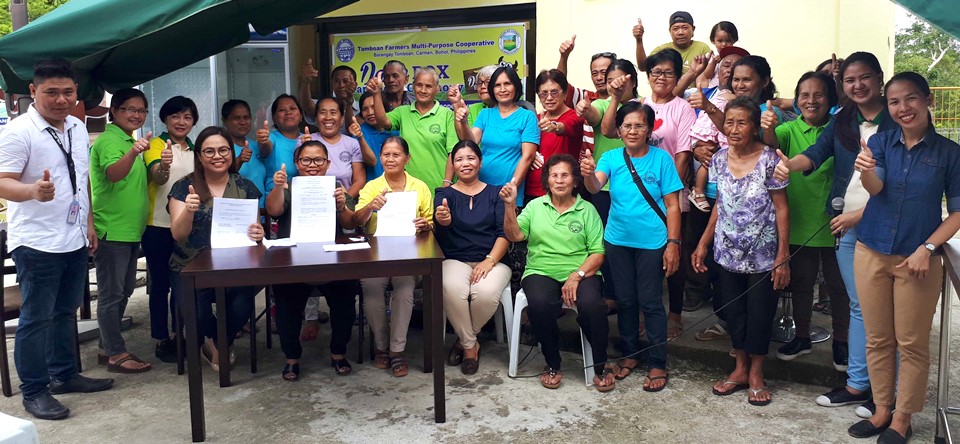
{"points": [[746, 233]]}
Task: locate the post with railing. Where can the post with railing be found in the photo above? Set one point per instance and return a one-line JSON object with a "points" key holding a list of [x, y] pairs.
{"points": [[951, 281], [946, 111]]}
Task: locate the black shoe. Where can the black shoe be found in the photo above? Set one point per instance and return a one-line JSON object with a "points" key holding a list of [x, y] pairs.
{"points": [[841, 396], [323, 317], [166, 350], [840, 351], [79, 384], [793, 349], [891, 436], [867, 409], [455, 357], [866, 429], [46, 406]]}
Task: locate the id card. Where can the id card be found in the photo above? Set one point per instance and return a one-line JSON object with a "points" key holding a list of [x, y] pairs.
{"points": [[74, 213]]}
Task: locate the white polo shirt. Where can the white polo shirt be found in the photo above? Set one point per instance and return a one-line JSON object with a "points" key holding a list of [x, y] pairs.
{"points": [[26, 148]]}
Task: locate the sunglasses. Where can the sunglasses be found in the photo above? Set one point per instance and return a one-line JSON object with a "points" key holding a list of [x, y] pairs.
{"points": [[609, 55]]}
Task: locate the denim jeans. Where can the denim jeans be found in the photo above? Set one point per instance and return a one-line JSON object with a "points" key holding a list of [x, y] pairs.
{"points": [[239, 301], [51, 285], [857, 376], [639, 276], [157, 244]]}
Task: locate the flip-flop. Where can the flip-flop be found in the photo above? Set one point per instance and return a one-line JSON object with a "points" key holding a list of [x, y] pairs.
{"points": [[552, 372], [755, 392], [649, 379], [291, 372], [117, 367], [607, 371], [629, 370], [737, 386]]}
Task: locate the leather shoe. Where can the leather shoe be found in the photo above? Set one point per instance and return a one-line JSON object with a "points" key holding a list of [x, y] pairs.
{"points": [[46, 406], [866, 429], [891, 436], [79, 384]]}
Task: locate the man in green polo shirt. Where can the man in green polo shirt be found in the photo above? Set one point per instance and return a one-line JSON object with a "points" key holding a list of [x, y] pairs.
{"points": [[426, 126], [681, 35]]}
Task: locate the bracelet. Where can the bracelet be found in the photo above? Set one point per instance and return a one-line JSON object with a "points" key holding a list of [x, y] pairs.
{"points": [[491, 258], [674, 241], [448, 181]]}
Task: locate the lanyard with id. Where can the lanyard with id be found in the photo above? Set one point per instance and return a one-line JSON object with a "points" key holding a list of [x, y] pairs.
{"points": [[74, 213]]}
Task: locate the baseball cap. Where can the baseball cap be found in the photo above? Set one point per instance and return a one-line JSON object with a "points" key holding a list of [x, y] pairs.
{"points": [[681, 17], [732, 50]]}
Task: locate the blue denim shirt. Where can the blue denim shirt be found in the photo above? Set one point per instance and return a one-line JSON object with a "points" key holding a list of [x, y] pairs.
{"points": [[829, 145], [907, 210]]}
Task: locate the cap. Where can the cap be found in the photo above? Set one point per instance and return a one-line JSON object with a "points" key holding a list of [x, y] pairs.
{"points": [[681, 17], [732, 50]]}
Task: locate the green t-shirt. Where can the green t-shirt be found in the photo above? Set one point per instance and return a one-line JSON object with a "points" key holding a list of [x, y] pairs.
{"points": [[601, 143], [119, 208], [474, 111], [431, 138], [561, 242], [806, 193], [695, 49]]}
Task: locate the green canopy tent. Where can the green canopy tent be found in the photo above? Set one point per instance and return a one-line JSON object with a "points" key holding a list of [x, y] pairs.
{"points": [[944, 14], [115, 44]]}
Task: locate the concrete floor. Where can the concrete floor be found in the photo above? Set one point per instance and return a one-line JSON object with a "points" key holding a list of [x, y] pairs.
{"points": [[372, 406]]}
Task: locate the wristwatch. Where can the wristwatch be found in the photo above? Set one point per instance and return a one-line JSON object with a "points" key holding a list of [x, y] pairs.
{"points": [[930, 247], [581, 273], [673, 241]]}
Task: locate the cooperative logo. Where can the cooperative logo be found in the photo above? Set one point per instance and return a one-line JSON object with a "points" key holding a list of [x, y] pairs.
{"points": [[509, 41], [649, 177], [575, 226], [345, 50], [435, 129], [344, 157]]}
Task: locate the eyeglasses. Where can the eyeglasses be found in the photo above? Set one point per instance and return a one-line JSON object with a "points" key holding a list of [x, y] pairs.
{"points": [[210, 153], [631, 128], [138, 111], [308, 161], [482, 83], [665, 74], [552, 94], [609, 55]]}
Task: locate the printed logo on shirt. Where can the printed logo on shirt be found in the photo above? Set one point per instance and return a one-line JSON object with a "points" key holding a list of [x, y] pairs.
{"points": [[345, 50], [344, 157], [575, 226], [649, 177], [435, 129]]}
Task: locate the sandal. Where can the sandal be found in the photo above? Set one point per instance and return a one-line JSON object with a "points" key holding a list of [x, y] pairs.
{"points": [[648, 380], [629, 368], [291, 372], [399, 366], [713, 332], [550, 374], [674, 328], [737, 386], [823, 304], [604, 377], [117, 367], [341, 366], [699, 200], [754, 393], [381, 360]]}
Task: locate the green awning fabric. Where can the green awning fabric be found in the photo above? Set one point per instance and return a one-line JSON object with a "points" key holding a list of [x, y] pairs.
{"points": [[115, 44], [944, 14]]}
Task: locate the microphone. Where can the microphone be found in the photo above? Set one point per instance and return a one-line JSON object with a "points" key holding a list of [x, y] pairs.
{"points": [[837, 205]]}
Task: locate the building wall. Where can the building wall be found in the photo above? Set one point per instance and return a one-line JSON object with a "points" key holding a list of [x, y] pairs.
{"points": [[793, 36]]}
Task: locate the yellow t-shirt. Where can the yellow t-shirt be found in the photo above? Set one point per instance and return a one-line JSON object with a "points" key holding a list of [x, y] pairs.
{"points": [[695, 49], [182, 165], [375, 186]]}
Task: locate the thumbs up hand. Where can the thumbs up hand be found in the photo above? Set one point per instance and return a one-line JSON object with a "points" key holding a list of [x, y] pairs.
{"points": [[462, 114], [166, 156], [865, 161], [442, 213], [617, 86], [280, 177], [263, 134], [142, 144], [246, 153], [354, 128], [193, 200], [700, 63], [509, 192], [638, 30], [306, 136], [567, 46], [698, 99], [378, 202], [454, 97], [43, 189], [782, 171], [308, 72], [587, 165], [374, 85], [769, 120], [582, 106]]}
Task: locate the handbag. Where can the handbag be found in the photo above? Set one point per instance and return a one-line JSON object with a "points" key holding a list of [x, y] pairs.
{"points": [[643, 189]]}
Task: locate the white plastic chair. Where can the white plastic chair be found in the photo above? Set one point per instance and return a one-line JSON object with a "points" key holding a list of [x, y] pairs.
{"points": [[588, 372], [504, 315]]}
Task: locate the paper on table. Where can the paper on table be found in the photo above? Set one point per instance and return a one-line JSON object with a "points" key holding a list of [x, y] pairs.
{"points": [[231, 220], [397, 215], [346, 247], [314, 217], [285, 242]]}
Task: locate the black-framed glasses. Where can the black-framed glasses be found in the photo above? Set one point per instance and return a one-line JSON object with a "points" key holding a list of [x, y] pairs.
{"points": [[210, 153], [138, 111], [309, 161], [665, 74], [609, 55]]}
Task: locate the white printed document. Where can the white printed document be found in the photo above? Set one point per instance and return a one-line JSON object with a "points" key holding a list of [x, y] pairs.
{"points": [[314, 217], [231, 220], [396, 217]]}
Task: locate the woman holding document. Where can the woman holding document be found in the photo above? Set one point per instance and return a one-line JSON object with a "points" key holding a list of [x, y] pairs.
{"points": [[374, 196], [312, 160], [191, 214]]}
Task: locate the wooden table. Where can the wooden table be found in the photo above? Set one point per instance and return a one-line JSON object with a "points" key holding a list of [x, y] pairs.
{"points": [[388, 256]]}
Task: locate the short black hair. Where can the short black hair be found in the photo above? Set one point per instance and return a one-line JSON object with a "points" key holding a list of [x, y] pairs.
{"points": [[760, 66], [668, 55], [466, 145], [396, 62], [316, 108], [366, 95], [552, 75], [628, 68], [558, 159], [512, 76], [52, 69], [828, 83], [726, 27], [746, 103], [632, 107], [343, 68], [177, 104], [122, 95], [276, 104], [309, 144], [398, 140], [231, 105]]}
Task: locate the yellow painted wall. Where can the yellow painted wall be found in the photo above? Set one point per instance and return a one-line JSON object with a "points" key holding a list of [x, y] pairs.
{"points": [[793, 35]]}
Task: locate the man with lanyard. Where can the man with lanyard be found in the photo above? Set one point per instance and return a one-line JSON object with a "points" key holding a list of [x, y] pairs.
{"points": [[44, 174]]}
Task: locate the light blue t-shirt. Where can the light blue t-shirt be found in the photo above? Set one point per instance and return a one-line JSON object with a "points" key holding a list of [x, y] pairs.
{"points": [[283, 149], [501, 144], [375, 139], [254, 170], [632, 222]]}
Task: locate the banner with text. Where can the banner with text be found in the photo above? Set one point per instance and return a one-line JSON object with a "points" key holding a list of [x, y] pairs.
{"points": [[457, 54]]}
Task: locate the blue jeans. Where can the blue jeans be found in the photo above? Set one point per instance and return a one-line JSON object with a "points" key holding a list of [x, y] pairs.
{"points": [[51, 285], [239, 308], [857, 376], [639, 275]]}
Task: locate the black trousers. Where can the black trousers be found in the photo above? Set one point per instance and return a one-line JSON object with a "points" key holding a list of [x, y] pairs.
{"points": [[544, 304], [749, 317], [702, 286], [803, 276], [291, 300]]}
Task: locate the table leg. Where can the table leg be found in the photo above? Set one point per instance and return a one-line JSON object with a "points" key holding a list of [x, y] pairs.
{"points": [[223, 350], [433, 336], [253, 336], [194, 378]]}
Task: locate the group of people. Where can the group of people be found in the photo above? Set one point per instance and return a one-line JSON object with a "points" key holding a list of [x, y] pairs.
{"points": [[713, 183]]}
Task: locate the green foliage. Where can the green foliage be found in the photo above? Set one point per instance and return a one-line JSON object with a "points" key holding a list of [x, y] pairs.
{"points": [[929, 51], [35, 9]]}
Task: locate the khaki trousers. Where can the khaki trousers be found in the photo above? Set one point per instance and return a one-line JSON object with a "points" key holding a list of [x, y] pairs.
{"points": [[469, 306], [394, 333], [898, 315]]}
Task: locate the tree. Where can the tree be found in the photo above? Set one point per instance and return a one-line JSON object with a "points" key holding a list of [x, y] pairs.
{"points": [[927, 50], [35, 9]]}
